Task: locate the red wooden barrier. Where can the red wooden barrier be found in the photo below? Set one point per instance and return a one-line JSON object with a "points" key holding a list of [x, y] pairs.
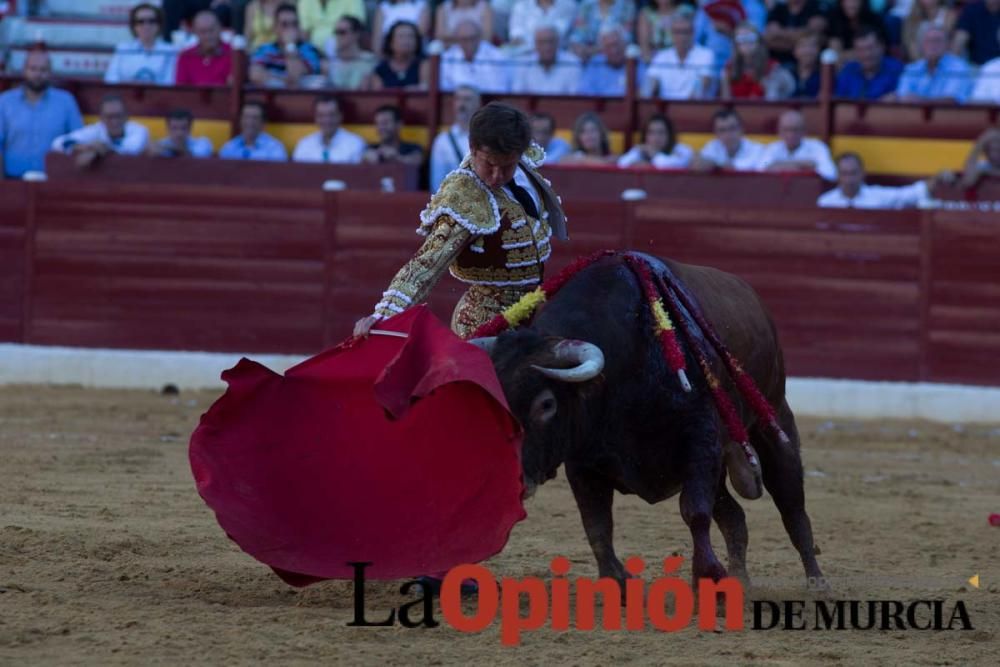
{"points": [[15, 205], [116, 170]]}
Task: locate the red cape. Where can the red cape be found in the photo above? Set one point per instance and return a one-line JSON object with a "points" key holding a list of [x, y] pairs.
{"points": [[400, 452]]}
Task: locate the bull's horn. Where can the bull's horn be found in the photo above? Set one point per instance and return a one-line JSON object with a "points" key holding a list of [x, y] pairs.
{"points": [[588, 358], [485, 344]]}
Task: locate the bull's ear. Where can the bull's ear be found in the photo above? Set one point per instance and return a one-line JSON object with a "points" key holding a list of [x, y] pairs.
{"points": [[543, 408]]}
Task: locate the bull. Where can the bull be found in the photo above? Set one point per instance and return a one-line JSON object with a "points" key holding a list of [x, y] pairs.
{"points": [[589, 384]]}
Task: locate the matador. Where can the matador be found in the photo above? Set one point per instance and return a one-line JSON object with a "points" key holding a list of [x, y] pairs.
{"points": [[490, 223]]}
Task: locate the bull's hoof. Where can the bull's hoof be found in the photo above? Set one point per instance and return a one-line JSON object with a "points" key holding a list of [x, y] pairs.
{"points": [[744, 470]]}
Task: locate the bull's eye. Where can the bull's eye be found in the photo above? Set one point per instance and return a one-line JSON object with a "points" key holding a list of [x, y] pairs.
{"points": [[544, 407]]}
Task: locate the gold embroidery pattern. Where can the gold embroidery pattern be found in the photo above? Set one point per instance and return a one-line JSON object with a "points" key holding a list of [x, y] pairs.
{"points": [[480, 304]]}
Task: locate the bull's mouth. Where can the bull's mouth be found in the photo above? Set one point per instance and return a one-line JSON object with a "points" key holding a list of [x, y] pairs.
{"points": [[531, 483]]}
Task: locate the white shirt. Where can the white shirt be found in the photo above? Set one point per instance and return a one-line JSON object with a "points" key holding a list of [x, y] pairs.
{"points": [[987, 87], [678, 159], [132, 62], [813, 150], [527, 15], [562, 78], [677, 80], [747, 157], [401, 11], [877, 196], [132, 142], [343, 147], [522, 179], [444, 158], [487, 72]]}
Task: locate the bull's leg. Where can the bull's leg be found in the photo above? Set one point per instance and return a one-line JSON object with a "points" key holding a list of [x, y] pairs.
{"points": [[594, 497], [733, 524], [701, 479], [782, 469]]}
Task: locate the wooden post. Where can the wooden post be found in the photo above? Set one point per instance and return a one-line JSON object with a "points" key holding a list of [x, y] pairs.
{"points": [[631, 97], [240, 64], [433, 99], [828, 61]]}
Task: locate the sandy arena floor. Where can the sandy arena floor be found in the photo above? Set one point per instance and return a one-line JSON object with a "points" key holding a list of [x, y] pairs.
{"points": [[108, 555]]}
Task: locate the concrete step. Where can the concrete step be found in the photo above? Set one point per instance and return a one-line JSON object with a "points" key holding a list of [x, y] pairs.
{"points": [[63, 33], [67, 62], [90, 9]]}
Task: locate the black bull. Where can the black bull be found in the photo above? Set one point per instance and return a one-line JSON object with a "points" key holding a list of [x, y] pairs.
{"points": [[626, 424]]}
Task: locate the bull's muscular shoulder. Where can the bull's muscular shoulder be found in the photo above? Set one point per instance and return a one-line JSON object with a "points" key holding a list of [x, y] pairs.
{"points": [[464, 198]]}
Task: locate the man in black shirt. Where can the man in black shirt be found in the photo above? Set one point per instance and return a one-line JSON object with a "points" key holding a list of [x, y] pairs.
{"points": [[788, 21], [388, 124]]}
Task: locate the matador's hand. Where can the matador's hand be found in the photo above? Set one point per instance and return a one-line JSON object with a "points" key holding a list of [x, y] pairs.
{"points": [[364, 325]]}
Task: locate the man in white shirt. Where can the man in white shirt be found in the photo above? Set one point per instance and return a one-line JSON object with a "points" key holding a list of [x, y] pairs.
{"points": [[451, 146], [528, 15], [795, 152], [987, 87], [331, 143], [549, 70], [684, 71], [730, 149], [471, 61], [113, 133], [853, 192]]}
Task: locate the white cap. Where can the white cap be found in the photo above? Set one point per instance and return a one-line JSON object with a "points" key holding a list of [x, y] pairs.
{"points": [[334, 186], [435, 48], [633, 52], [35, 176], [828, 57], [633, 194]]}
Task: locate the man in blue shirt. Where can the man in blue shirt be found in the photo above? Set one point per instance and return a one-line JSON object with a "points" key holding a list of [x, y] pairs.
{"points": [[252, 143], [288, 61], [179, 142], [32, 116], [939, 76], [874, 74], [605, 72]]}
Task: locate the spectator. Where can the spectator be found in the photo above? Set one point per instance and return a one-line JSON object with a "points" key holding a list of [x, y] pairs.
{"points": [[939, 76], [113, 133], [659, 147], [451, 146], [846, 20], [934, 12], [32, 116], [730, 149], [147, 58], [178, 12], [873, 75], [179, 142], [795, 152], [290, 61], [527, 15], [473, 62], [548, 71], [853, 192], [591, 145], [389, 12], [606, 73], [715, 26], [654, 27], [787, 22], [983, 159], [592, 16], [259, 22], [543, 130], [350, 66], [452, 12], [332, 143], [210, 62], [805, 69], [320, 17], [390, 148], [978, 28], [684, 71], [252, 143], [987, 89], [752, 73], [402, 65]]}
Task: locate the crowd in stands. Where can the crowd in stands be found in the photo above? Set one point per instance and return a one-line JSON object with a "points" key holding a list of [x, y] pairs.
{"points": [[706, 49], [535, 46]]}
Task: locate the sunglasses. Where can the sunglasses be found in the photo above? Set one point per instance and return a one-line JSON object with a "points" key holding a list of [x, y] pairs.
{"points": [[342, 31], [147, 21]]}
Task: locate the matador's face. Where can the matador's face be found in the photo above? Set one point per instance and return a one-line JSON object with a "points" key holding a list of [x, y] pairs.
{"points": [[494, 169]]}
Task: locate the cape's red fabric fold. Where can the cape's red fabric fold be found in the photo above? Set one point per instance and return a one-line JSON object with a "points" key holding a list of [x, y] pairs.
{"points": [[400, 452]]}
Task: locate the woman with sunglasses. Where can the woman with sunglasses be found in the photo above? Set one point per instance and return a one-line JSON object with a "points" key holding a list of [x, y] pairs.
{"points": [[751, 73], [147, 58], [319, 17]]}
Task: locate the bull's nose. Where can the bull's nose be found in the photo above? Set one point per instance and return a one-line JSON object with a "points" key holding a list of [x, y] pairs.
{"points": [[529, 489]]}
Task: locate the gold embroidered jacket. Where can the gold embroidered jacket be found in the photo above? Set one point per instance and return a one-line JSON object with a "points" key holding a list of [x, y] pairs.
{"points": [[483, 236]]}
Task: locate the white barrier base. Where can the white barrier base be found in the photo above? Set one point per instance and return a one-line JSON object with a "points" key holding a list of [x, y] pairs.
{"points": [[142, 369]]}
